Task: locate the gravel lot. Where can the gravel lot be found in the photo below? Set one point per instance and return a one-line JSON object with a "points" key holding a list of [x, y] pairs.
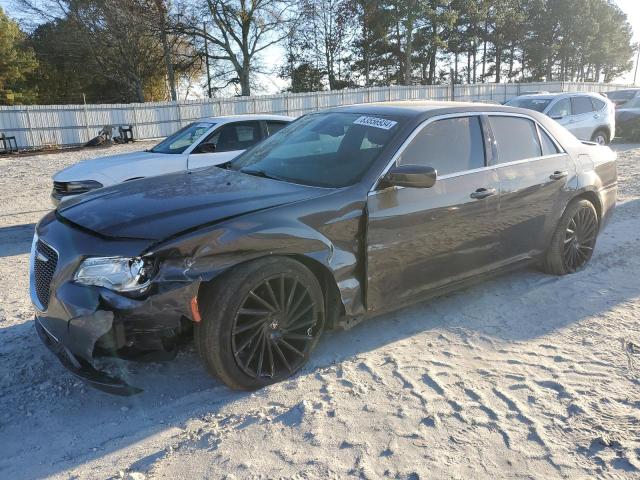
{"points": [[527, 376]]}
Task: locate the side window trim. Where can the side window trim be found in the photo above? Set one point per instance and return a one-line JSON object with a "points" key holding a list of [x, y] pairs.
{"points": [[373, 190]]}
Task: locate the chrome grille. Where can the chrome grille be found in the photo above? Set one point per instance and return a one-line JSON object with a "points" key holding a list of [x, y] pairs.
{"points": [[44, 265]]}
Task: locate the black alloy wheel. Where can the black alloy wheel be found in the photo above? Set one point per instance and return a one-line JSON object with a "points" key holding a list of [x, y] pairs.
{"points": [[275, 328], [580, 239], [260, 322]]}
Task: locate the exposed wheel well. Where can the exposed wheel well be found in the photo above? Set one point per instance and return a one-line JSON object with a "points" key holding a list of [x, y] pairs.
{"points": [[333, 302], [334, 308]]}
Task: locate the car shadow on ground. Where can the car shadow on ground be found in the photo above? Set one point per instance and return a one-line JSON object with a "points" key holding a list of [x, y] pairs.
{"points": [[78, 425], [619, 145]]}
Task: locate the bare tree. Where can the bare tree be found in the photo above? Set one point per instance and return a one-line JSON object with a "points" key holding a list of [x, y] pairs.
{"points": [[238, 32]]}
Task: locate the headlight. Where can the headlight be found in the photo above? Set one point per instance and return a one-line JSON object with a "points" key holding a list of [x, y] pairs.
{"points": [[116, 273], [76, 187]]}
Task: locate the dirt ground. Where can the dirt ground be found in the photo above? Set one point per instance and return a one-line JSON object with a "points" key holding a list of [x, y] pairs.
{"points": [[526, 376]]}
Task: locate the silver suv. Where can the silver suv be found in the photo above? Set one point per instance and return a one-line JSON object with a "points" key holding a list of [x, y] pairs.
{"points": [[589, 116]]}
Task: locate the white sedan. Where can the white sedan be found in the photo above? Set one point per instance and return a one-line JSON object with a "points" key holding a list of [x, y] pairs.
{"points": [[207, 142]]}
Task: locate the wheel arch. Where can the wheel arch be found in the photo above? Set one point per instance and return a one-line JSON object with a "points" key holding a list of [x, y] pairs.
{"points": [[591, 196], [334, 307]]}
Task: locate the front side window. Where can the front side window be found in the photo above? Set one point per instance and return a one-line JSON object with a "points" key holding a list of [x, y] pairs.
{"points": [[183, 138], [562, 108], [516, 138], [235, 136], [581, 105], [332, 149], [450, 145]]}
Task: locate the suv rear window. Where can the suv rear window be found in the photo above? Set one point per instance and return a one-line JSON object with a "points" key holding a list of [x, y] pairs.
{"points": [[516, 138], [581, 105], [597, 104]]}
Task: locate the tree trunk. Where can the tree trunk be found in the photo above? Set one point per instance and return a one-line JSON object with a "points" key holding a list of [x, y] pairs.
{"points": [[139, 90], [245, 83], [498, 63], [168, 62], [475, 62]]}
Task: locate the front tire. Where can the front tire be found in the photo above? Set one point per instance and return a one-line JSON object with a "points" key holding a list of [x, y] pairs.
{"points": [[260, 322], [574, 239]]}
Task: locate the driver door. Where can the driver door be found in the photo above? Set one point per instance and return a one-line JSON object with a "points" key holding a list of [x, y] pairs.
{"points": [[230, 140], [420, 239]]}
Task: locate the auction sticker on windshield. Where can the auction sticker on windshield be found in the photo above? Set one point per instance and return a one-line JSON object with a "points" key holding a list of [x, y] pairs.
{"points": [[376, 122]]}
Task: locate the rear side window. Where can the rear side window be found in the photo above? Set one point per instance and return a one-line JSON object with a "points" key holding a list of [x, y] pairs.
{"points": [[450, 146], [562, 108], [516, 138], [548, 146], [581, 105], [273, 127], [597, 104]]}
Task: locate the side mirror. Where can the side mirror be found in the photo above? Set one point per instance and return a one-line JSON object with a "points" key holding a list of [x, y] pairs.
{"points": [[557, 117], [205, 148], [411, 176]]}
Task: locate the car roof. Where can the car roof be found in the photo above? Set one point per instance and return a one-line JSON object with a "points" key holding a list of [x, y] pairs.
{"points": [[246, 117], [551, 96], [417, 108]]}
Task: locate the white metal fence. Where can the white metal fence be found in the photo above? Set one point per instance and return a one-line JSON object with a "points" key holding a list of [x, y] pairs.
{"points": [[44, 125]]}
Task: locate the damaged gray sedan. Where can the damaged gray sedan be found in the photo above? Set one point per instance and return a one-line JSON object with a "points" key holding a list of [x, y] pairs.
{"points": [[338, 217]]}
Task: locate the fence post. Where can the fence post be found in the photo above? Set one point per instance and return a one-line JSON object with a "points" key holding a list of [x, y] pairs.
{"points": [[135, 121], [33, 142], [86, 117], [179, 115], [286, 103]]}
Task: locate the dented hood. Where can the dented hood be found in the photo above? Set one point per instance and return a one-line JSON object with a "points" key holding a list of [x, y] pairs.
{"points": [[159, 207]]}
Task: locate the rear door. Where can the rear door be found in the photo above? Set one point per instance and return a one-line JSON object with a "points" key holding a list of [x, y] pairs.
{"points": [[534, 172], [230, 140], [424, 238]]}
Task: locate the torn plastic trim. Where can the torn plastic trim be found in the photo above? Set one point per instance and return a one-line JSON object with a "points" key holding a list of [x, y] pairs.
{"points": [[82, 369]]}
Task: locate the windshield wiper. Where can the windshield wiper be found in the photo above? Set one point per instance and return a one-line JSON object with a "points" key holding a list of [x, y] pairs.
{"points": [[261, 173]]}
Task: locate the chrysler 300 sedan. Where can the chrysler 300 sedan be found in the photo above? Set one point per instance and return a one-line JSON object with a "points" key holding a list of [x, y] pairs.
{"points": [[340, 216]]}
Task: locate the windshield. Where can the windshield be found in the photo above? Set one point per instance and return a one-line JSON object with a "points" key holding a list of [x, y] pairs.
{"points": [[537, 104], [183, 138], [635, 103], [621, 95], [322, 149]]}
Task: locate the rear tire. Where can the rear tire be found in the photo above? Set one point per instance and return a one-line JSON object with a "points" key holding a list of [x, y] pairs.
{"points": [[260, 322], [601, 137], [574, 239]]}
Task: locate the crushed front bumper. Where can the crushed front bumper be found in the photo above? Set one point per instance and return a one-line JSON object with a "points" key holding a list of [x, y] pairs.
{"points": [[78, 322], [82, 369]]}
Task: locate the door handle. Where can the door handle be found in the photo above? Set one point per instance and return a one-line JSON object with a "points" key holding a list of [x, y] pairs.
{"points": [[558, 175], [481, 193]]}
